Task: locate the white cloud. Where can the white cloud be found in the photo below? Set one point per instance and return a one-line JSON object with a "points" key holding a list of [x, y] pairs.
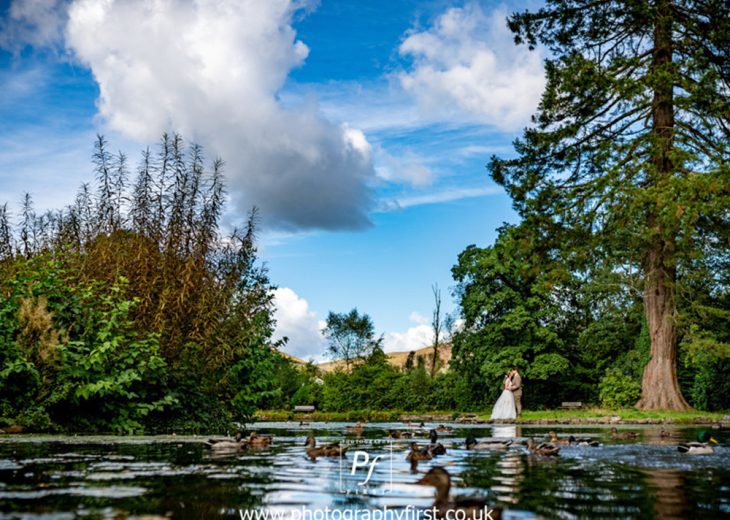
{"points": [[406, 166], [418, 318], [447, 195], [212, 70], [466, 67], [294, 320], [33, 22], [414, 338]]}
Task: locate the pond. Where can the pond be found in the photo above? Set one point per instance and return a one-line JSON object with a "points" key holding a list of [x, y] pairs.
{"points": [[178, 477]]}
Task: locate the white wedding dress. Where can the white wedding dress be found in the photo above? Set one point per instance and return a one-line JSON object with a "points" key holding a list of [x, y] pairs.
{"points": [[504, 408]]}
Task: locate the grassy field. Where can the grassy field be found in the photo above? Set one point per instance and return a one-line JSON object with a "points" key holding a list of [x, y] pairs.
{"points": [[355, 415], [626, 415]]}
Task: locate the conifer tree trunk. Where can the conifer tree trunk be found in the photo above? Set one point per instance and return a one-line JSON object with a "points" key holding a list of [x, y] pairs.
{"points": [[660, 387]]}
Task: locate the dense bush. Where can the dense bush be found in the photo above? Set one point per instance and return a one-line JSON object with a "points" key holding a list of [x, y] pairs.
{"points": [[128, 310], [617, 390]]}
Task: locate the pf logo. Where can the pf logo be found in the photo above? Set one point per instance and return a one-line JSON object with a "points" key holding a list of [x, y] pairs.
{"points": [[362, 460]]}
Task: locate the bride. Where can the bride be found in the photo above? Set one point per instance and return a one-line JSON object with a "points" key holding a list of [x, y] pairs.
{"points": [[504, 408]]}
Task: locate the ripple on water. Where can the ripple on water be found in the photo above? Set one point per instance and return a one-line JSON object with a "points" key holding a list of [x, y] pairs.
{"points": [[180, 477], [81, 491], [6, 464]]}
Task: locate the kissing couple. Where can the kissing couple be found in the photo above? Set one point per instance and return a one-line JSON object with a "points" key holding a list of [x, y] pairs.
{"points": [[509, 404]]}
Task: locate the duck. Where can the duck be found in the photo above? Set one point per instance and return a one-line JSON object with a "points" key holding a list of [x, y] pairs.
{"points": [[13, 429], [473, 444], [396, 434], [442, 428], [256, 441], [615, 434], [435, 448], [417, 453], [703, 446], [470, 507], [543, 448], [227, 445], [554, 439], [664, 433], [354, 429], [328, 450], [583, 441]]}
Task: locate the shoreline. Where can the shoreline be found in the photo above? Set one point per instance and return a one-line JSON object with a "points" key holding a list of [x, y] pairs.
{"points": [[583, 417], [183, 438], [586, 416]]}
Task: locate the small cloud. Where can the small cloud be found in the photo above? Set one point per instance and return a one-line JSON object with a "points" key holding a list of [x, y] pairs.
{"points": [[418, 318], [468, 151], [437, 198], [406, 166]]}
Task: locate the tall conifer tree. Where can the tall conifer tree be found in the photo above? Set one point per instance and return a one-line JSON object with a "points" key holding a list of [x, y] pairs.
{"points": [[629, 147]]}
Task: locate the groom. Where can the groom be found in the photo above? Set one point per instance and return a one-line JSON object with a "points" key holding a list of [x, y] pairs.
{"points": [[516, 388]]}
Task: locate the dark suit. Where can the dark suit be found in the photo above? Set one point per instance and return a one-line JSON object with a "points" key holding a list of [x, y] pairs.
{"points": [[517, 392]]}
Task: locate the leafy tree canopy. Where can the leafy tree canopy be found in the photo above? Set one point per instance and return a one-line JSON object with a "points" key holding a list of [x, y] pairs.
{"points": [[351, 336]]}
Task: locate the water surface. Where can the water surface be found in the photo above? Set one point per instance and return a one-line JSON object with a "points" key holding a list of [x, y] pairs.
{"points": [[59, 477]]}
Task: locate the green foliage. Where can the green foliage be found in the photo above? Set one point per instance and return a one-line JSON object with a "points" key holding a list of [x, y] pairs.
{"points": [[618, 390], [129, 321], [378, 385], [102, 375], [706, 361], [366, 386], [508, 295], [547, 367], [113, 377], [351, 336]]}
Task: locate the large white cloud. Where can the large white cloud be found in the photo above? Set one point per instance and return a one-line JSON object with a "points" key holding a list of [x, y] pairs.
{"points": [[212, 70], [418, 336], [467, 68], [295, 321]]}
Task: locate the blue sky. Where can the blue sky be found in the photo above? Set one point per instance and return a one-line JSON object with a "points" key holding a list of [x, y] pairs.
{"points": [[360, 129]]}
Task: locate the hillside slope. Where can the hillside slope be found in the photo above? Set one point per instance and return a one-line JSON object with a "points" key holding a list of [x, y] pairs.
{"points": [[398, 359]]}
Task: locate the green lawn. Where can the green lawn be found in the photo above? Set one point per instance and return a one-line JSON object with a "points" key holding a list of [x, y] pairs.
{"points": [[626, 415], [354, 415]]}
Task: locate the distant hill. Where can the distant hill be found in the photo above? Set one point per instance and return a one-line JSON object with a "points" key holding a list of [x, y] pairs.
{"points": [[398, 359], [294, 358]]}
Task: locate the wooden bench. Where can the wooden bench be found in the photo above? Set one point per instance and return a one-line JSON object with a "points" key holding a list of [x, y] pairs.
{"points": [[304, 408], [571, 405]]}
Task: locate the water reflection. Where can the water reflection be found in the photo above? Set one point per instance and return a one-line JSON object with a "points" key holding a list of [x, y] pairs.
{"points": [[178, 477], [509, 478], [668, 490], [509, 431]]}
